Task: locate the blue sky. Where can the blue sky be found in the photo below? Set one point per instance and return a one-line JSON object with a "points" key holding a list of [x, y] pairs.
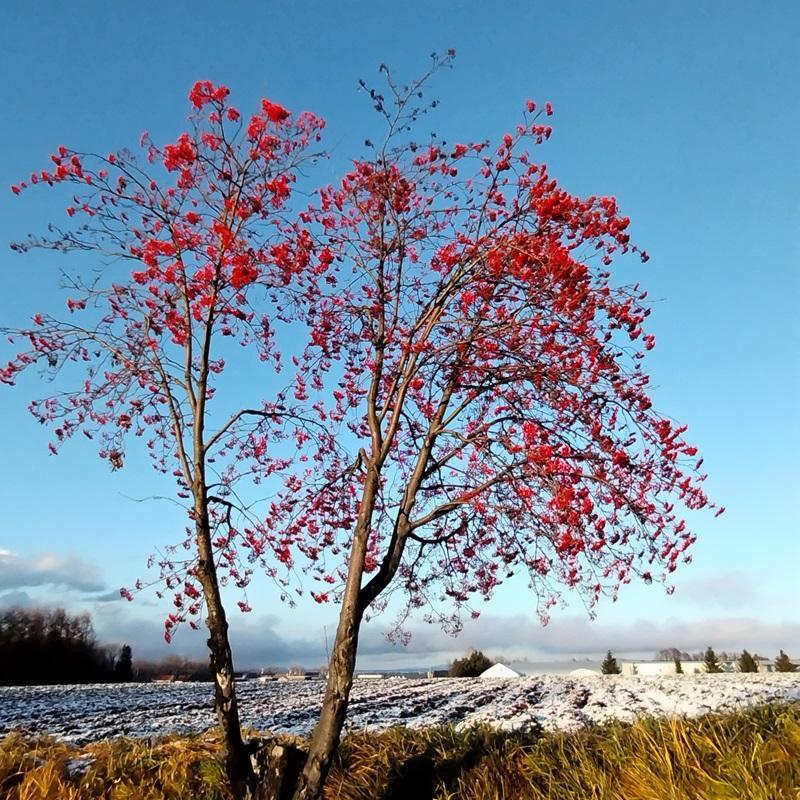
{"points": [[687, 112]]}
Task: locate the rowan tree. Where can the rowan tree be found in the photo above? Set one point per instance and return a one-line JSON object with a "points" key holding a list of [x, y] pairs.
{"points": [[187, 245], [486, 376], [472, 381]]}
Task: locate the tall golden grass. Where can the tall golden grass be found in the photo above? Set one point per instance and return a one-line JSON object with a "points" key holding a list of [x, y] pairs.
{"points": [[748, 755]]}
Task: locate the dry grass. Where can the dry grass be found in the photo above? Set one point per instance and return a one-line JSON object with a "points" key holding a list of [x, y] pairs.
{"points": [[171, 768], [752, 755]]}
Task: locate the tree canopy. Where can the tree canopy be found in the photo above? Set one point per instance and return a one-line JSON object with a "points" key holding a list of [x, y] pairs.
{"points": [[469, 666], [747, 663], [610, 665], [711, 661], [452, 386], [784, 664]]}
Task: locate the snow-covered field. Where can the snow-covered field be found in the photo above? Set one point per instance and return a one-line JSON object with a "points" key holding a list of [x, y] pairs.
{"points": [[87, 713]]}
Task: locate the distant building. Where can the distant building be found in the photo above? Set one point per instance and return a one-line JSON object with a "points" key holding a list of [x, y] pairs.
{"points": [[765, 664], [661, 667], [689, 667], [438, 673]]}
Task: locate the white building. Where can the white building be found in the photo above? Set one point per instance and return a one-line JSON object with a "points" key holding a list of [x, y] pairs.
{"points": [[689, 667], [661, 667]]}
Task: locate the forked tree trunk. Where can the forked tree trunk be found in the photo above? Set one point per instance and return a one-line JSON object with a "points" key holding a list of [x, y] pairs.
{"points": [[325, 739], [280, 771], [274, 771]]}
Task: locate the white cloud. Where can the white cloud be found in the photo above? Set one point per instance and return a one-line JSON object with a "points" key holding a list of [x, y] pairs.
{"points": [[48, 569]]}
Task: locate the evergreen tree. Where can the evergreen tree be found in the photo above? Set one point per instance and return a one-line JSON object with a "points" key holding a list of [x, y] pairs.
{"points": [[711, 661], [678, 667], [123, 669], [610, 665], [747, 663], [782, 663], [470, 666]]}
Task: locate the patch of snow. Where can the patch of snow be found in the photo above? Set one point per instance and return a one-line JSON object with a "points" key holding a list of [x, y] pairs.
{"points": [[79, 765], [82, 714]]}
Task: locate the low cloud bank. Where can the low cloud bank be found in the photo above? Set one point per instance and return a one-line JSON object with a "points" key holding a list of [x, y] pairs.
{"points": [[259, 641]]}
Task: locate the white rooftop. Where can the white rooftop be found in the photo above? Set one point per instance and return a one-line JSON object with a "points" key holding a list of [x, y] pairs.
{"points": [[499, 671], [583, 672]]}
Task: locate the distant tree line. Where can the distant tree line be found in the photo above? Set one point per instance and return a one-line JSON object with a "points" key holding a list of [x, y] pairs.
{"points": [[172, 668], [40, 646], [671, 653], [745, 661]]}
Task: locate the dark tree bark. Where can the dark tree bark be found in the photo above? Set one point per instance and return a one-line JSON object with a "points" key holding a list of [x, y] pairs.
{"points": [[237, 761], [325, 739]]}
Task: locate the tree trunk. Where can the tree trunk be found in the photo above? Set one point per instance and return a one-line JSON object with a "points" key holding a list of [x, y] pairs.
{"points": [[327, 732], [237, 760], [276, 766], [325, 739], [256, 770]]}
